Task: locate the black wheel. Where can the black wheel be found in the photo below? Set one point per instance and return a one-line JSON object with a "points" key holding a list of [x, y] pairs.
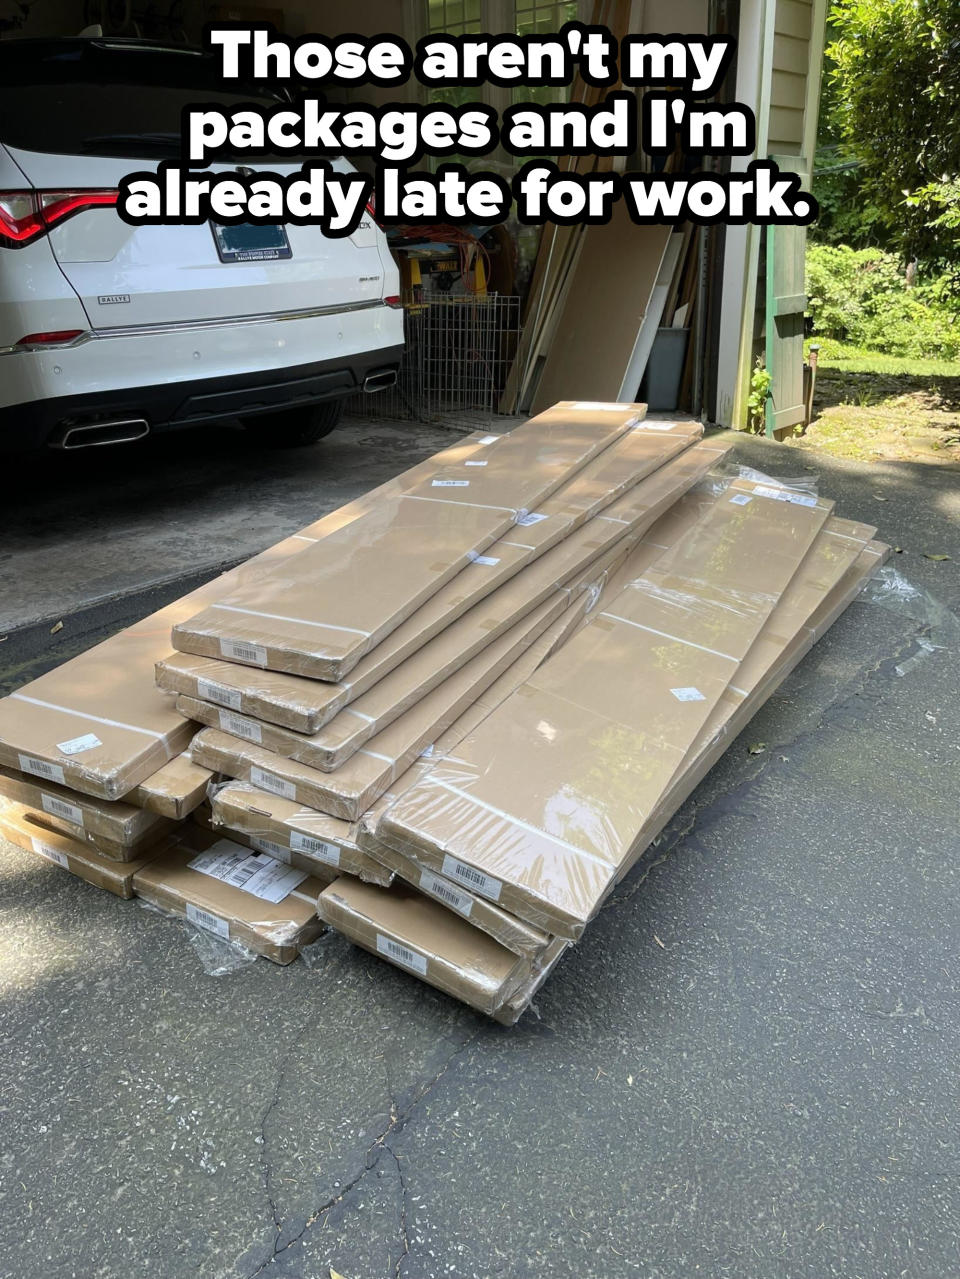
{"points": [[295, 428]]}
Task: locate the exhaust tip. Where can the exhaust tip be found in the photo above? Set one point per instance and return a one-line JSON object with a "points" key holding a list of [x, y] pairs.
{"points": [[380, 380], [92, 434]]}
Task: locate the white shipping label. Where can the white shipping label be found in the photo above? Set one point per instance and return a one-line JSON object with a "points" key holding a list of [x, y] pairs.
{"points": [[60, 808], [255, 873], [270, 782], [784, 495], [472, 878], [446, 892], [526, 518], [648, 425], [319, 848], [212, 923], [401, 954], [77, 744], [238, 651], [40, 768], [474, 463], [489, 560], [688, 695], [741, 499], [489, 439], [271, 848], [49, 852], [216, 693], [451, 484], [238, 727]]}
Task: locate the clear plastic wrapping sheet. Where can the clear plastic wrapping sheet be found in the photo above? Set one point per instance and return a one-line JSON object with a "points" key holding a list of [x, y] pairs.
{"points": [[537, 809], [938, 628], [423, 938], [305, 705], [327, 606]]}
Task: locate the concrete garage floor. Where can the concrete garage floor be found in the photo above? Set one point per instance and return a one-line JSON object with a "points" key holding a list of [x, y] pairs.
{"points": [[748, 1068]]}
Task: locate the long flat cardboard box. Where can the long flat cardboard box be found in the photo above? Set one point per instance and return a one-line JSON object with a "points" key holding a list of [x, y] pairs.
{"points": [[412, 932], [520, 938], [299, 836], [98, 724], [339, 598], [760, 674], [353, 788], [273, 913], [117, 829], [710, 747], [546, 798], [305, 705], [27, 830], [550, 577], [174, 790]]}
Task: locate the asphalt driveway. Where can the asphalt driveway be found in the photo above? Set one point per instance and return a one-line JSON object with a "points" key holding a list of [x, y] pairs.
{"points": [[748, 1068]]}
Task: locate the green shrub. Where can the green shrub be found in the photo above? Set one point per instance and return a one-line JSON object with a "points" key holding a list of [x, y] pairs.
{"points": [[859, 296]]}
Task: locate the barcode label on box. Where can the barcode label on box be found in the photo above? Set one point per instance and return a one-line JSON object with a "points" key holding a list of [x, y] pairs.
{"points": [[270, 782], [212, 923], [474, 463], [784, 495], [472, 878], [451, 484], [741, 499], [688, 695], [255, 873], [77, 744], [272, 849], [216, 693], [49, 852], [489, 560], [319, 848], [40, 768], [238, 727], [526, 518], [60, 808], [238, 651], [401, 954], [489, 439], [647, 425], [446, 892]]}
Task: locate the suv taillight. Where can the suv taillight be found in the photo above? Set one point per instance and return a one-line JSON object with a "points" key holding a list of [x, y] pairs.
{"points": [[27, 215]]}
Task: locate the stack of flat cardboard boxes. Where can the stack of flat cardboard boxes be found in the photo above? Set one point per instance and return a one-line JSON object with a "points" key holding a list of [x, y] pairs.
{"points": [[446, 719]]}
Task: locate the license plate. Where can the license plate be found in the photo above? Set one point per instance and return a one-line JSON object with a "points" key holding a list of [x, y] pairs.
{"points": [[247, 243]]}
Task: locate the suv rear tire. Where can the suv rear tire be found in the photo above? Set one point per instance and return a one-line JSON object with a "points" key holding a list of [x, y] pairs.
{"points": [[296, 428]]}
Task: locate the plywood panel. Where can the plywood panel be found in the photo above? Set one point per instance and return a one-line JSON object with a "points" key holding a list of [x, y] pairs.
{"points": [[602, 312]]}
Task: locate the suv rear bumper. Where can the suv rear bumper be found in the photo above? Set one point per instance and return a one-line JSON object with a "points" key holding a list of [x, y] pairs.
{"points": [[188, 375]]}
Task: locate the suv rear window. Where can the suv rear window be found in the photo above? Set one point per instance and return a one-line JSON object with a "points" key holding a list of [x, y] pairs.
{"points": [[107, 97]]}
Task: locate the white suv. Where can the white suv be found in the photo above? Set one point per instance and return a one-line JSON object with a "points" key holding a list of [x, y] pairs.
{"points": [[109, 331]]}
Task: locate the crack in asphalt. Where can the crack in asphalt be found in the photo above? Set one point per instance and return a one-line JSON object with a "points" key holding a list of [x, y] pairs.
{"points": [[371, 1159]]}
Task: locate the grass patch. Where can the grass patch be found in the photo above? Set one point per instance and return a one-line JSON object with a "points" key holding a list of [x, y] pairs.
{"points": [[872, 407], [854, 359]]}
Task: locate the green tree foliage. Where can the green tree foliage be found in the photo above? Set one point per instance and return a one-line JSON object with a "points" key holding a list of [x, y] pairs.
{"points": [[893, 104], [859, 296]]}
